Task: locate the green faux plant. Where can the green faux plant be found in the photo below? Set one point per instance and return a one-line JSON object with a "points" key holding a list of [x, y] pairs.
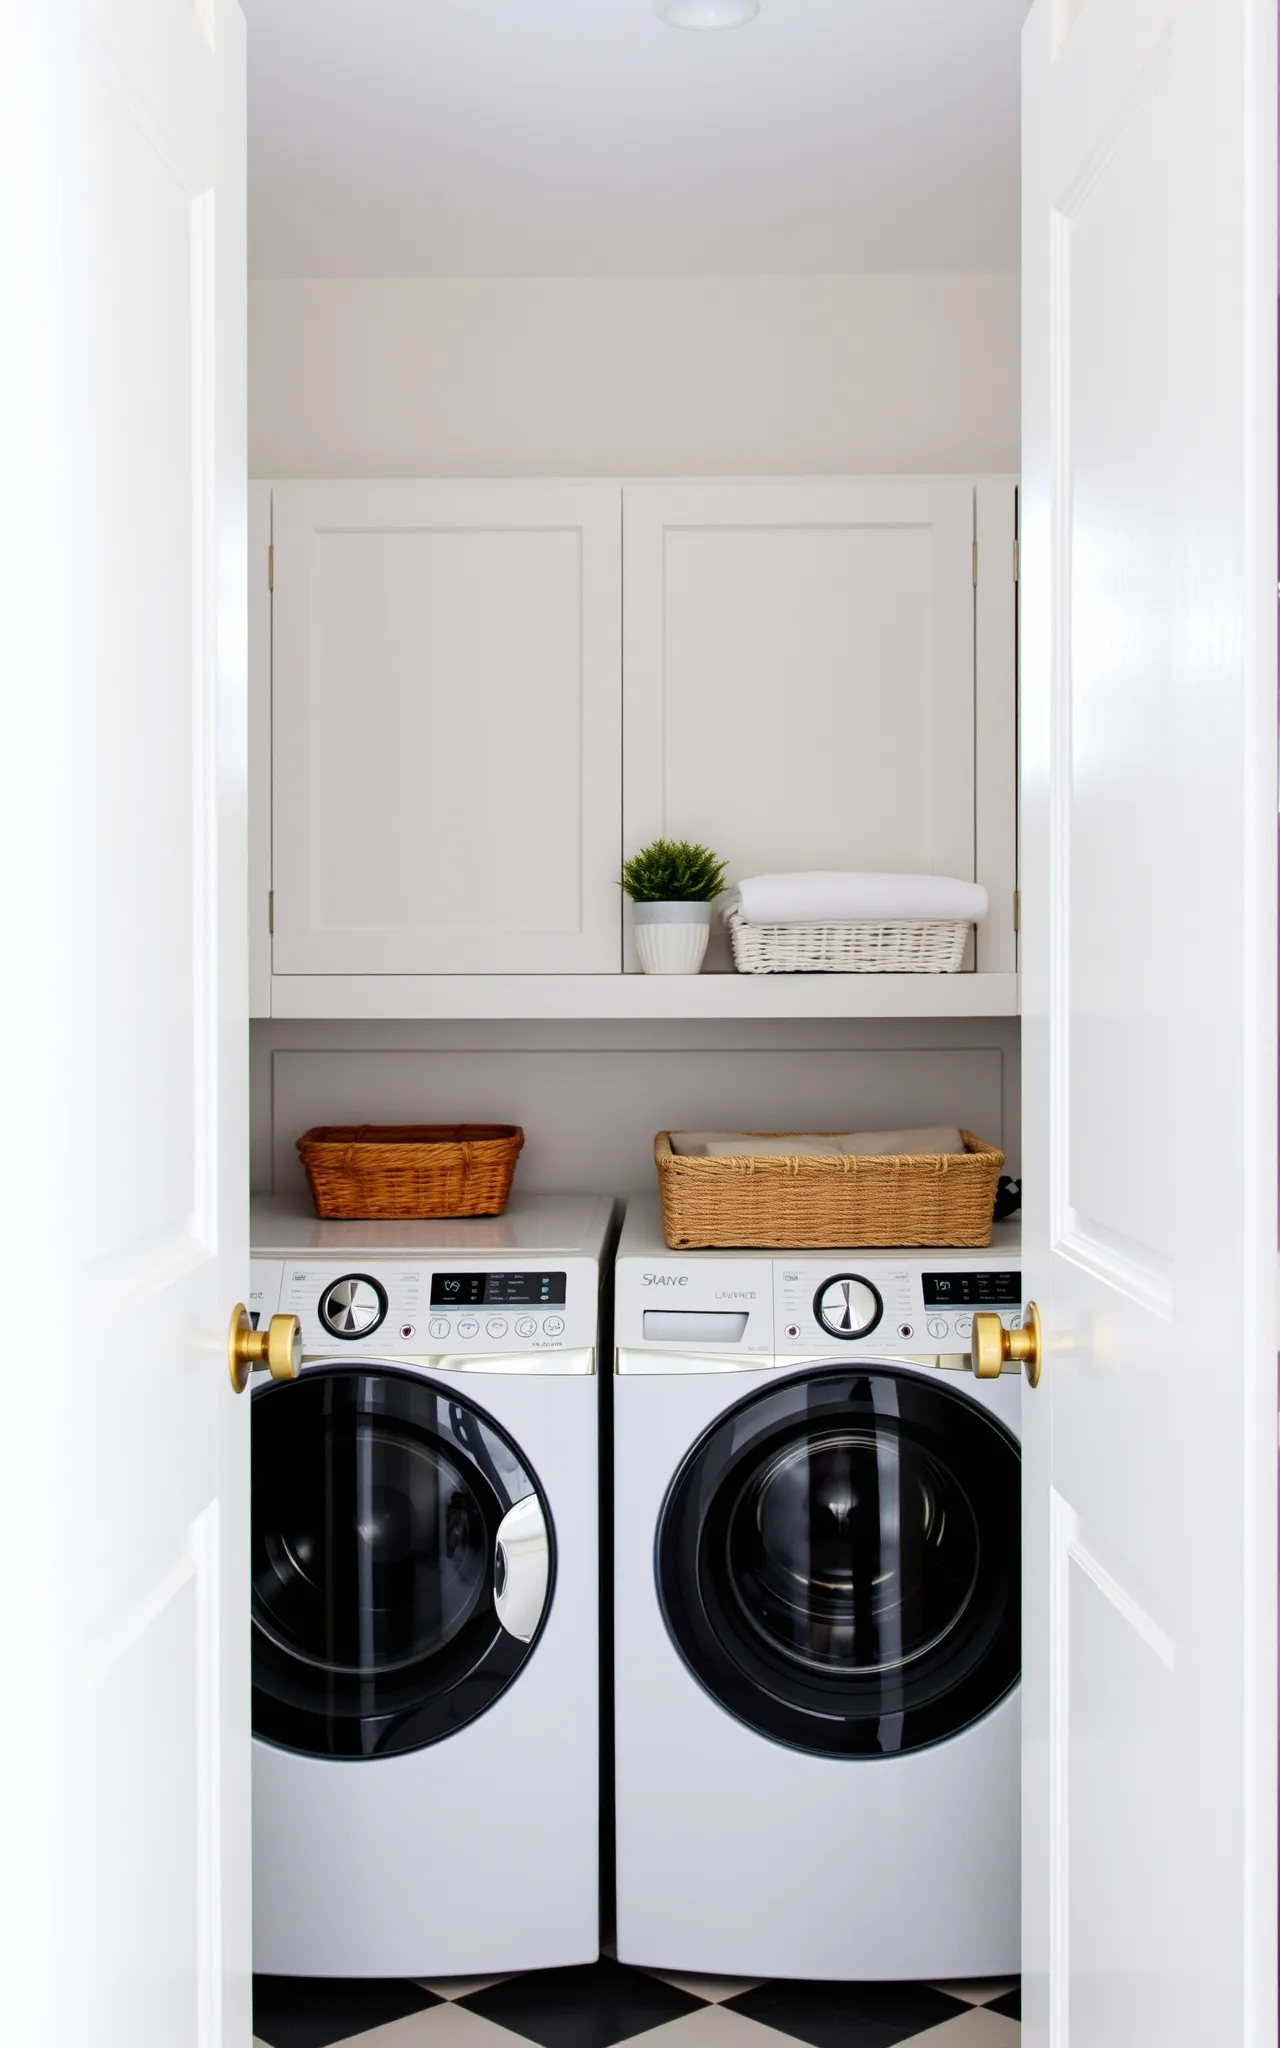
{"points": [[673, 871]]}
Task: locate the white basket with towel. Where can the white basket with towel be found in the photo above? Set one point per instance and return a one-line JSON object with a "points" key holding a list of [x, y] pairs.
{"points": [[852, 923]]}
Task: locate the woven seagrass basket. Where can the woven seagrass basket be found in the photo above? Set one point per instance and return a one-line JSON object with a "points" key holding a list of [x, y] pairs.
{"points": [[901, 945], [375, 1170], [785, 1204]]}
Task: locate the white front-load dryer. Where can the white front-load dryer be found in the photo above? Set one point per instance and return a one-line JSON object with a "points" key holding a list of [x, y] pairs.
{"points": [[426, 1594], [817, 1588]]}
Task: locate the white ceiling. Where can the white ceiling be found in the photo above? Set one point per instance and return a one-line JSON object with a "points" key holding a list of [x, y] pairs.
{"points": [[545, 138]]}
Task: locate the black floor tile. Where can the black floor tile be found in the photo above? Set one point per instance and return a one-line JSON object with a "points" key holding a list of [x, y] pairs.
{"points": [[314, 2012], [1009, 2003], [593, 2005], [847, 2015]]}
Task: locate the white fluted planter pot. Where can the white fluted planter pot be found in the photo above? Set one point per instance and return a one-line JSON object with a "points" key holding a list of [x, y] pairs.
{"points": [[671, 938]]}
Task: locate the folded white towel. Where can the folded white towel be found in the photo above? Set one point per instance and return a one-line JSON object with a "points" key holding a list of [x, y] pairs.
{"points": [[909, 1144], [841, 898], [815, 1145], [773, 1148]]}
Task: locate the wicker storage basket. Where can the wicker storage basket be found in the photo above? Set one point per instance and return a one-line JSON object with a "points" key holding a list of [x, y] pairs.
{"points": [[785, 1204], [410, 1169], [898, 946]]}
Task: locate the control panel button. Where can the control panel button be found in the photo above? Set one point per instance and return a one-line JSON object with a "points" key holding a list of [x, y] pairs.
{"points": [[964, 1327], [438, 1326], [526, 1327], [353, 1306], [497, 1326], [847, 1306], [793, 1329], [906, 1329], [468, 1327], [407, 1330], [553, 1326], [936, 1327]]}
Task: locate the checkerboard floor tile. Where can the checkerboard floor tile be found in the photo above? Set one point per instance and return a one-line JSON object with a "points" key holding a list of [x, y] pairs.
{"points": [[603, 2004]]}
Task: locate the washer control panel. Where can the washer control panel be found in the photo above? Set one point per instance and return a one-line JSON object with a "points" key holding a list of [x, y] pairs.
{"points": [[354, 1306], [416, 1308]]}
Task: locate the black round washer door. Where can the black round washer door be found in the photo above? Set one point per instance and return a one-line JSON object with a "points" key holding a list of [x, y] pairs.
{"points": [[838, 1561], [403, 1561]]}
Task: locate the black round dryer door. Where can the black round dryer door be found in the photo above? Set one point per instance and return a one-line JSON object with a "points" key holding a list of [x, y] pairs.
{"points": [[838, 1561], [403, 1561]]}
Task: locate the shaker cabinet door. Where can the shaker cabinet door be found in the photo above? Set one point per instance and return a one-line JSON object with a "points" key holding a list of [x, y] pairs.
{"points": [[446, 743], [799, 663]]}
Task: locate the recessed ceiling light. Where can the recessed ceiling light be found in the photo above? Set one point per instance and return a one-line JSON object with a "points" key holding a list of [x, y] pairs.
{"points": [[708, 13]]}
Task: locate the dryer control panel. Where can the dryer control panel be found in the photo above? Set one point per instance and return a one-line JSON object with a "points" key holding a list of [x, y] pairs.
{"points": [[920, 1301], [719, 1305], [416, 1307]]}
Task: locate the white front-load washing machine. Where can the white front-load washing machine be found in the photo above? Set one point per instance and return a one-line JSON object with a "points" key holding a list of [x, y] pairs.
{"points": [[426, 1594], [816, 1595]]}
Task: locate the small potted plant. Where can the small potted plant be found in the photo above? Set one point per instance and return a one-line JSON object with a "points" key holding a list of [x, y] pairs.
{"points": [[672, 884]]}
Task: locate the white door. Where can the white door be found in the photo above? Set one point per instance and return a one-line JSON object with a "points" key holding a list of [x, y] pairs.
{"points": [[1149, 876], [799, 677], [124, 1852], [446, 710]]}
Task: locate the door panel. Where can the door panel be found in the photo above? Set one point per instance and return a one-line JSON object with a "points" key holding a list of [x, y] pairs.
{"points": [[1114, 458], [446, 707], [152, 393], [800, 673], [1148, 951], [126, 1485], [1117, 1821]]}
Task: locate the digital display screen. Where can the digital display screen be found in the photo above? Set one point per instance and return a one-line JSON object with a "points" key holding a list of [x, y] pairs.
{"points": [[497, 1290], [972, 1290]]}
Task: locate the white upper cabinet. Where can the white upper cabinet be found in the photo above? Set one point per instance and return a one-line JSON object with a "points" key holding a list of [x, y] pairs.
{"points": [[446, 744], [800, 686], [466, 719]]}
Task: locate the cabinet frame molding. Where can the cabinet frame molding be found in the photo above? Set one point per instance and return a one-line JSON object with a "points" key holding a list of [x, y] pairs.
{"points": [[995, 779], [259, 728]]}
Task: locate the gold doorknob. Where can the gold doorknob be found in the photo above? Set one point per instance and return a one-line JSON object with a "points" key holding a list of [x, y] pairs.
{"points": [[278, 1347], [993, 1346]]}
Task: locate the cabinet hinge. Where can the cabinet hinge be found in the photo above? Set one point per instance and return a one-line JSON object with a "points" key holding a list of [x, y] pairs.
{"points": [[975, 565], [271, 565], [1016, 559], [271, 911], [1017, 910]]}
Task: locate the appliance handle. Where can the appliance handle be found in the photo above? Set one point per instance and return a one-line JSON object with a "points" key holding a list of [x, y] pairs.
{"points": [[522, 1568]]}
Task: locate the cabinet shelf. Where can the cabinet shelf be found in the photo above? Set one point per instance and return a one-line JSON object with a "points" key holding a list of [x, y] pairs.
{"points": [[679, 996]]}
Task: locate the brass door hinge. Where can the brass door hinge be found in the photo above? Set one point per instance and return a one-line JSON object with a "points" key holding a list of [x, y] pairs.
{"points": [[1016, 560], [271, 911], [975, 565], [271, 565], [1017, 910]]}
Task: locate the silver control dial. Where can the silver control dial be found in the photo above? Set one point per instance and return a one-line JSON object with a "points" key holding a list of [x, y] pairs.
{"points": [[353, 1307], [847, 1306]]}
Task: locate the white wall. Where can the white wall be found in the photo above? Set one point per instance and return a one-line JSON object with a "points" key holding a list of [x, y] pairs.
{"points": [[634, 376], [631, 376]]}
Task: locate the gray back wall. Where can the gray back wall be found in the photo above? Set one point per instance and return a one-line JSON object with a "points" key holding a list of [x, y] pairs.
{"points": [[591, 1096]]}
